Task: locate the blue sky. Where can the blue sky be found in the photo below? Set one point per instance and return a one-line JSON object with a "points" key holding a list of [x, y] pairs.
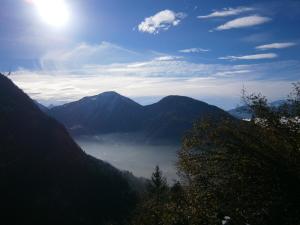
{"points": [[146, 49]]}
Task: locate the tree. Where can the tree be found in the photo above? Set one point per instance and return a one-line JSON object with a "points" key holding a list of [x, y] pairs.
{"points": [[248, 171], [151, 209], [162, 205], [158, 185]]}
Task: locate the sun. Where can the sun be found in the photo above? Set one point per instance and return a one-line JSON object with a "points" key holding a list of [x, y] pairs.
{"points": [[53, 12]]}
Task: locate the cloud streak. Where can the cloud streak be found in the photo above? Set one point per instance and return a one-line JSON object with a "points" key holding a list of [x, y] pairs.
{"points": [[251, 57], [194, 50], [83, 54], [242, 22], [162, 20], [168, 58], [276, 46], [227, 12]]}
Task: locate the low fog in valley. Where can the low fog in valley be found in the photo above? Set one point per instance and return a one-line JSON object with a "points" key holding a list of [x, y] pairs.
{"points": [[126, 154]]}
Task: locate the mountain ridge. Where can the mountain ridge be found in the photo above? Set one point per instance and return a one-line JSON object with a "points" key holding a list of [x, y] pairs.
{"points": [[110, 112]]}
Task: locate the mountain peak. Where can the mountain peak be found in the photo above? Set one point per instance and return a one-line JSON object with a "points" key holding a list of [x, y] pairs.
{"points": [[176, 97], [175, 100], [110, 98], [109, 93]]}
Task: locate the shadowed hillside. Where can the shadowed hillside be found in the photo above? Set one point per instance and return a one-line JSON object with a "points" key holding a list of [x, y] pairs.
{"points": [[45, 177]]}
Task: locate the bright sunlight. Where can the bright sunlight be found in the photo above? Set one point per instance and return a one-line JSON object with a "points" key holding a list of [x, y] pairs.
{"points": [[53, 12]]}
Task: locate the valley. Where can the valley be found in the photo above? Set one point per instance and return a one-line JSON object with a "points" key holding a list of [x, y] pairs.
{"points": [[138, 158]]}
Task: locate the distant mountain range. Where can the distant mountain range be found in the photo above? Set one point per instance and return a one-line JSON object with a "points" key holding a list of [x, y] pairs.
{"points": [[45, 178], [244, 113], [241, 112], [111, 112]]}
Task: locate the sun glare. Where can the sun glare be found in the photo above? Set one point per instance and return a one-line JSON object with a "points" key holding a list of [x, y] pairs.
{"points": [[53, 12]]}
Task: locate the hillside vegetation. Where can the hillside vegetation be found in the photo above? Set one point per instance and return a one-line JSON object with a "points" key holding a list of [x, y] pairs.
{"points": [[234, 172]]}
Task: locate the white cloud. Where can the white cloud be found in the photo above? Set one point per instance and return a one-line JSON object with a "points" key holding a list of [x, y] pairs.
{"points": [[276, 46], [247, 21], [251, 57], [227, 12], [162, 20], [194, 50]]}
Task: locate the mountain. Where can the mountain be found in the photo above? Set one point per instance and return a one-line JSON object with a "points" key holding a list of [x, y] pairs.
{"points": [[110, 112], [241, 112], [279, 103], [244, 113], [41, 107], [45, 177], [51, 106], [172, 116]]}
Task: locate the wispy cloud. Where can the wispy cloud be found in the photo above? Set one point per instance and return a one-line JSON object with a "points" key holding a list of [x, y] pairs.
{"points": [[83, 54], [276, 46], [155, 75], [258, 37], [251, 57], [231, 73], [227, 12], [168, 58], [222, 91], [162, 20], [193, 50], [242, 22]]}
